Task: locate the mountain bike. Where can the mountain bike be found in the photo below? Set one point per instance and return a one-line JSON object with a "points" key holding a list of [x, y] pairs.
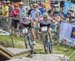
{"points": [[28, 38], [46, 40]]}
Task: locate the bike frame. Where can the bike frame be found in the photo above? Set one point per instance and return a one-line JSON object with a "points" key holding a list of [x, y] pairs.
{"points": [[28, 40], [46, 41]]}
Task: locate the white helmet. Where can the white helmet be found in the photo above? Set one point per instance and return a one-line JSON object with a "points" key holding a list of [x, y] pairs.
{"points": [[45, 15]]}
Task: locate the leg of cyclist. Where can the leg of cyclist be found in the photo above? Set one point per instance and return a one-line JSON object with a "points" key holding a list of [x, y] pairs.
{"points": [[33, 32], [36, 29], [50, 35]]}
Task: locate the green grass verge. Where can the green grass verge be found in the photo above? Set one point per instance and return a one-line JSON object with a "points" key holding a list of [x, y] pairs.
{"points": [[19, 43], [67, 51], [7, 41]]}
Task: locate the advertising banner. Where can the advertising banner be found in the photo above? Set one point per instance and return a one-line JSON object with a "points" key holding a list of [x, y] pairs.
{"points": [[67, 34]]}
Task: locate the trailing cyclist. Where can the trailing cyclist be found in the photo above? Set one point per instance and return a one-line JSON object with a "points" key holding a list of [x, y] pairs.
{"points": [[34, 14]]}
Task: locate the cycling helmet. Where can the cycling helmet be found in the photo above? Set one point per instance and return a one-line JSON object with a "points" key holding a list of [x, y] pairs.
{"points": [[45, 15]]}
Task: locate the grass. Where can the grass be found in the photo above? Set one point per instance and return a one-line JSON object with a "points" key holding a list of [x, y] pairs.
{"points": [[19, 43], [7, 41], [67, 51]]}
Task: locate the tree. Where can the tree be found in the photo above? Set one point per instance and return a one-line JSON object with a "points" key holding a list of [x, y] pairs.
{"points": [[73, 1]]}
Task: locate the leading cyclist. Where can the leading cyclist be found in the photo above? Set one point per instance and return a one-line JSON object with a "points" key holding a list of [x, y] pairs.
{"points": [[46, 33], [46, 22]]}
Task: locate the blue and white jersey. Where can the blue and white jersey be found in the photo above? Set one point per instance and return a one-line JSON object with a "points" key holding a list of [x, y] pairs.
{"points": [[34, 12]]}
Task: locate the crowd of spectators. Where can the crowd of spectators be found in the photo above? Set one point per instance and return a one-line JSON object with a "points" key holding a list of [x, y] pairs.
{"points": [[34, 11]]}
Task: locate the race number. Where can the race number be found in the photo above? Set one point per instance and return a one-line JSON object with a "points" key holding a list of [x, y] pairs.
{"points": [[25, 30], [44, 28]]}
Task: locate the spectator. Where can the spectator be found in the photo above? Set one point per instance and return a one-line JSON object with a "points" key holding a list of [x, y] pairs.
{"points": [[31, 8], [9, 18], [15, 15], [68, 17], [22, 10], [55, 21], [42, 8], [5, 14], [10, 7], [72, 11], [0, 8], [34, 11], [56, 8], [5, 10], [56, 17], [22, 14]]}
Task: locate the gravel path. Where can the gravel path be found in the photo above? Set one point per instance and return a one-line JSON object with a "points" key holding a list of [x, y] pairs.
{"points": [[40, 57], [17, 50]]}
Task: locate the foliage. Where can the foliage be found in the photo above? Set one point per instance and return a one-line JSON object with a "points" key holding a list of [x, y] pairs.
{"points": [[73, 1]]}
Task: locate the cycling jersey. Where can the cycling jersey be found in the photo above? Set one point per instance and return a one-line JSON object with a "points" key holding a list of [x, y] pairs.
{"points": [[27, 25], [26, 22], [45, 23], [33, 13]]}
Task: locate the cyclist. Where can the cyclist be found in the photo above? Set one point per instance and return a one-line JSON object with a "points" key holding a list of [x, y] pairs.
{"points": [[46, 33], [26, 21], [34, 16], [34, 11], [46, 22]]}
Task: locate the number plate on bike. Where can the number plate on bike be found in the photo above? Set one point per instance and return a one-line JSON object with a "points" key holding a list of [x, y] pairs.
{"points": [[25, 30], [44, 28]]}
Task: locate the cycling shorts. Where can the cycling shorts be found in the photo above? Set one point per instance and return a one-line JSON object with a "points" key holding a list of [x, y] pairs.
{"points": [[42, 25], [27, 25]]}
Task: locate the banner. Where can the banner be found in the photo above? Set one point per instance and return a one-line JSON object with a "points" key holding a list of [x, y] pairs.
{"points": [[67, 34], [73, 32]]}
